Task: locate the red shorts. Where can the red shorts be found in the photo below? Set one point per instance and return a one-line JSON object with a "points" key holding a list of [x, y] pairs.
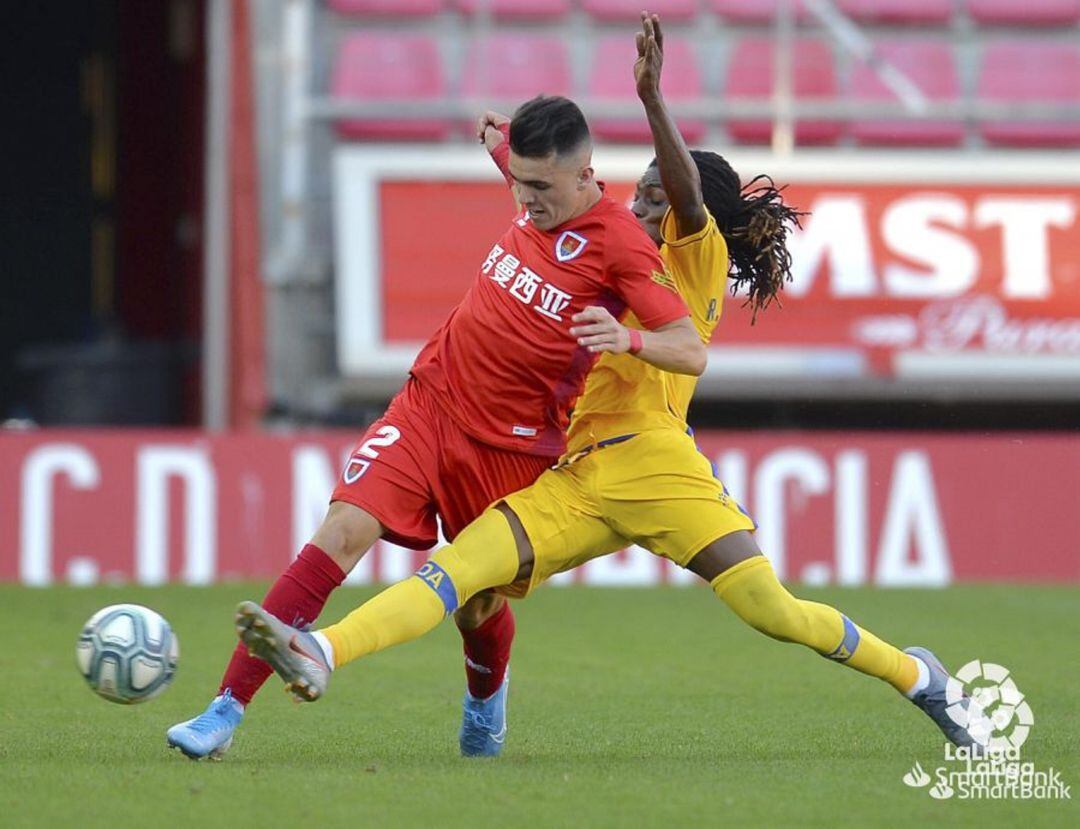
{"points": [[415, 462]]}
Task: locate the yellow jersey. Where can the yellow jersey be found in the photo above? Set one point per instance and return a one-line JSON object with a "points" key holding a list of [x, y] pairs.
{"points": [[624, 395]]}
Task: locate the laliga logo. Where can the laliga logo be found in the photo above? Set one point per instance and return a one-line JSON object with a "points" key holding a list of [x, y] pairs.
{"points": [[997, 716]]}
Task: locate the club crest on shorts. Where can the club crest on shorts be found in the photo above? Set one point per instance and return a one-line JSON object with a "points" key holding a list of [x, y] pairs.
{"points": [[569, 246]]}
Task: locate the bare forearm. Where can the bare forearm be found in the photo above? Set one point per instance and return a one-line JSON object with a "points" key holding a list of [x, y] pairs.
{"points": [[677, 350], [674, 346], [678, 172]]}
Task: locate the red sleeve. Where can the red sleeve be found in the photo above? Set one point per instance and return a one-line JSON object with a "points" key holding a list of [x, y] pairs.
{"points": [[501, 155], [638, 275]]}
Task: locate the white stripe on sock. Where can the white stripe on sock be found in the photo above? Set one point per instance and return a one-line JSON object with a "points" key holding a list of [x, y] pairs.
{"points": [[922, 681], [327, 648]]}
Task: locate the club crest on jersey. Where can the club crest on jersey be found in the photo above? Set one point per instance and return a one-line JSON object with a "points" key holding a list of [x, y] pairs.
{"points": [[569, 246], [355, 469]]}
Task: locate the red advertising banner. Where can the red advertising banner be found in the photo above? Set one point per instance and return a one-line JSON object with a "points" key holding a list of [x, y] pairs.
{"points": [[953, 268], [905, 269], [83, 507]]}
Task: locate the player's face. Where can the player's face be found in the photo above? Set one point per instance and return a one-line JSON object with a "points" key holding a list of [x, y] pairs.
{"points": [[552, 189], [650, 203]]}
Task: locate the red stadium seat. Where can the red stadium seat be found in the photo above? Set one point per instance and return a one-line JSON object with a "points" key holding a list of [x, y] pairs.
{"points": [[912, 12], [754, 11], [1024, 12], [381, 66], [931, 66], [631, 9], [1031, 71], [750, 75], [612, 79], [517, 66], [387, 8], [518, 9]]}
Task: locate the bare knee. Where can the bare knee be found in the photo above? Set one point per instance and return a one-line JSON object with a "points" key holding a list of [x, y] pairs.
{"points": [[346, 534], [478, 610], [723, 554]]}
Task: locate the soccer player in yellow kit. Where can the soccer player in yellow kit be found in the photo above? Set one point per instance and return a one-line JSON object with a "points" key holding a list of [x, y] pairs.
{"points": [[632, 472]]}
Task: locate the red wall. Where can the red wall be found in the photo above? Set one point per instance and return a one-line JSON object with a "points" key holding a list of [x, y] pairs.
{"points": [[888, 509]]}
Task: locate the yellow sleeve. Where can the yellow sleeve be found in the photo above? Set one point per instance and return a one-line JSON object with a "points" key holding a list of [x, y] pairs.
{"points": [[699, 265]]}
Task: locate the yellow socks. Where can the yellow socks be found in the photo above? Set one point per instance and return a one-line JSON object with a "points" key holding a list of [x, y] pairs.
{"points": [[401, 613], [484, 555], [751, 589]]}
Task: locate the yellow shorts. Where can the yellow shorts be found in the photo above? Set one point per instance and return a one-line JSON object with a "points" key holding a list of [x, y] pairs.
{"points": [[655, 489]]}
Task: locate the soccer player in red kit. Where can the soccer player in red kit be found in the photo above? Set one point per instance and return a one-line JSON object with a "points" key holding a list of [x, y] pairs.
{"points": [[487, 402]]}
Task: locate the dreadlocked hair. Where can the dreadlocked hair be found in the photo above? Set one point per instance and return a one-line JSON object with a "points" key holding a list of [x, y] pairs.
{"points": [[755, 222]]}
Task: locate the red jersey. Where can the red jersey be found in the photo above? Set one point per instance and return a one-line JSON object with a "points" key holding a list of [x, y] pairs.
{"points": [[503, 364]]}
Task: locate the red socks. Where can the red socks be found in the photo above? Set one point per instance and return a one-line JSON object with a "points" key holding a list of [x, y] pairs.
{"points": [[297, 597], [487, 652]]}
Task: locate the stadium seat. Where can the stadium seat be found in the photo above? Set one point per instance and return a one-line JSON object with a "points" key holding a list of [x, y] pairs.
{"points": [[931, 66], [387, 8], [754, 11], [1024, 12], [750, 75], [518, 9], [613, 10], [517, 66], [612, 79], [1031, 71], [381, 66], [910, 12]]}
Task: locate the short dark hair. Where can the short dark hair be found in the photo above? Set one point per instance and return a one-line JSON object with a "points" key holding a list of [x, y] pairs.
{"points": [[547, 124]]}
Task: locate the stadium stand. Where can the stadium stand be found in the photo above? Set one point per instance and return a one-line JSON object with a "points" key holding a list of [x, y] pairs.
{"points": [[611, 80], [517, 9], [387, 8], [719, 56], [905, 12], [630, 10], [516, 65], [1031, 71], [1023, 13], [930, 65], [754, 11], [384, 66], [750, 75]]}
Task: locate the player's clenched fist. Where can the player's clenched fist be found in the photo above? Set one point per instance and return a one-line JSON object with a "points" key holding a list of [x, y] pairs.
{"points": [[487, 129], [597, 331]]}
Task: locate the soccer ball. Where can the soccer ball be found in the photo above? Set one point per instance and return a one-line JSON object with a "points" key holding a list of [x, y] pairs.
{"points": [[127, 653]]}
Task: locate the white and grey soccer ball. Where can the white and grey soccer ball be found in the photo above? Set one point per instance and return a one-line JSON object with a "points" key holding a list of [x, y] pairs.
{"points": [[127, 653]]}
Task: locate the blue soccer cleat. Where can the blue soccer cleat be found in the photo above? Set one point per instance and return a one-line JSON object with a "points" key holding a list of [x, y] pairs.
{"points": [[294, 654], [211, 733], [932, 701], [483, 723]]}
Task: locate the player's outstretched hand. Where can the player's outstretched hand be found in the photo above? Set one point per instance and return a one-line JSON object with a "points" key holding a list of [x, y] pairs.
{"points": [[597, 330], [487, 129], [650, 60]]}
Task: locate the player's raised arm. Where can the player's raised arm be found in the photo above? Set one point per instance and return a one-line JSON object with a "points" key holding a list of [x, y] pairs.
{"points": [[674, 346], [678, 173]]}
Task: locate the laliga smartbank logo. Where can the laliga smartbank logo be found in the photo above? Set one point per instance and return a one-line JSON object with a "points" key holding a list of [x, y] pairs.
{"points": [[984, 699], [997, 716]]}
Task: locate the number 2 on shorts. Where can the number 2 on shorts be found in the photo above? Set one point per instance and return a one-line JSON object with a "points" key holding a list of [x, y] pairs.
{"points": [[361, 459]]}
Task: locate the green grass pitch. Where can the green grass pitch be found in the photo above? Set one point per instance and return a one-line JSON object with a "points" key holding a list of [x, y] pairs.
{"points": [[627, 708]]}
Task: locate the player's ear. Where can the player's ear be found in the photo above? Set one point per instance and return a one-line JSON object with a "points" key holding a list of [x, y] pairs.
{"points": [[585, 177]]}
